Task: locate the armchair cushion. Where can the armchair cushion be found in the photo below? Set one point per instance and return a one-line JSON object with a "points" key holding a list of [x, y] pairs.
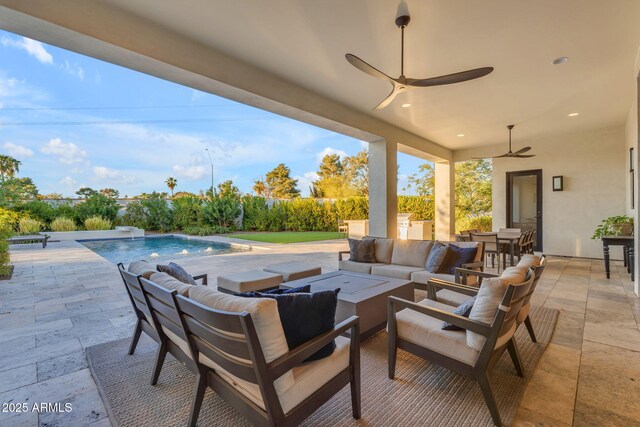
{"points": [[397, 271], [170, 282], [305, 316], [436, 257], [485, 308], [357, 267], [427, 332], [462, 310], [423, 276], [513, 275], [141, 268], [452, 298], [413, 253], [528, 260], [175, 270], [362, 250]]}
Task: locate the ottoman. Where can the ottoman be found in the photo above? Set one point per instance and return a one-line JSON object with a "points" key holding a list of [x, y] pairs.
{"points": [[293, 270], [248, 281]]}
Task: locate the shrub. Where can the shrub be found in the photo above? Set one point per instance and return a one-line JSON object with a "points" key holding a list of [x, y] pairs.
{"points": [[63, 224], [255, 213], [38, 210], [482, 223], [158, 213], [96, 205], [5, 233], [135, 215], [9, 219], [29, 226], [225, 207], [186, 211], [97, 223], [421, 208], [206, 230]]}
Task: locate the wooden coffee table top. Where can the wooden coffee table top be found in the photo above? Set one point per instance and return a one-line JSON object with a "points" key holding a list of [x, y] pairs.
{"points": [[354, 287]]}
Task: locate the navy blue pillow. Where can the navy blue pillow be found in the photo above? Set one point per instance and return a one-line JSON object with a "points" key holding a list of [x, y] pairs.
{"points": [[456, 257], [253, 294], [464, 310], [305, 316]]}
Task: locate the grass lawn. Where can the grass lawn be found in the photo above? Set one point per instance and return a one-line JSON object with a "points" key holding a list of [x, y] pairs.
{"points": [[289, 236]]}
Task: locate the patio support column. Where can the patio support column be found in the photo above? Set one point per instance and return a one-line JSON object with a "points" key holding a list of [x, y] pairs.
{"points": [[445, 200], [383, 191]]}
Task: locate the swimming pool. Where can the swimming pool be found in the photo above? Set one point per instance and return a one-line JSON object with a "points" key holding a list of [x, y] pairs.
{"points": [[154, 249]]}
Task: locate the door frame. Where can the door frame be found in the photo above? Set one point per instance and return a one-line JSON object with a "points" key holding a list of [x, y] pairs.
{"points": [[538, 174]]}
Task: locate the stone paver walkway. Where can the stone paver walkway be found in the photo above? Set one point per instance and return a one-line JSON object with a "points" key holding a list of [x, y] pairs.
{"points": [[65, 298]]}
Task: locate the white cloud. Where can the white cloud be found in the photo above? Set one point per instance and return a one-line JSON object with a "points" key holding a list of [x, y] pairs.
{"points": [[17, 150], [73, 69], [305, 182], [195, 169], [330, 150], [32, 47], [67, 180], [66, 152], [113, 175]]}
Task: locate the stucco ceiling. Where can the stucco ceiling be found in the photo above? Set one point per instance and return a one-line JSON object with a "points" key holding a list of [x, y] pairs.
{"points": [[304, 41]]}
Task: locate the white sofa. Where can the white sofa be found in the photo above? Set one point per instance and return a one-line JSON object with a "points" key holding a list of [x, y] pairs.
{"points": [[406, 259]]}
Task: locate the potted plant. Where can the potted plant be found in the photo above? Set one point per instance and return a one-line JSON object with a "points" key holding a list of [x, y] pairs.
{"points": [[621, 225]]}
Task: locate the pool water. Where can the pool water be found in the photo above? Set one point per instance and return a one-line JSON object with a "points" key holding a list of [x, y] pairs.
{"points": [[155, 249]]}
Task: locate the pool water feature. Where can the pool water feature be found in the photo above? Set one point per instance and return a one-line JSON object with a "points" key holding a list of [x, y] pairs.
{"points": [[157, 248]]}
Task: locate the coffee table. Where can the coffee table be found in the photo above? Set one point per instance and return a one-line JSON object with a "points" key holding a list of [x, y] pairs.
{"points": [[362, 295]]}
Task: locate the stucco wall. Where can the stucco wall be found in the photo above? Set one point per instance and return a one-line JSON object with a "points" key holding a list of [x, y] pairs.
{"points": [[594, 166]]}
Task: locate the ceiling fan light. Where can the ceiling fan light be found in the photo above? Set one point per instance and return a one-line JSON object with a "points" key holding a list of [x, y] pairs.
{"points": [[460, 135], [560, 60], [573, 114], [406, 105]]}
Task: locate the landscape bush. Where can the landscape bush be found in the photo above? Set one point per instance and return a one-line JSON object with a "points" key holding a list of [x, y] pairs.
{"points": [[186, 211], [63, 224], [97, 223], [205, 230], [135, 215], [29, 226], [96, 205], [159, 216], [5, 267], [482, 223], [9, 219]]}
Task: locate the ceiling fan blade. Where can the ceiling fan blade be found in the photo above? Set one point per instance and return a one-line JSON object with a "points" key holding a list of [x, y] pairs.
{"points": [[522, 150], [394, 92], [366, 68], [522, 156], [462, 76], [504, 155]]}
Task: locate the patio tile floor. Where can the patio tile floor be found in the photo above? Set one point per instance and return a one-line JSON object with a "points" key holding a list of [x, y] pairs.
{"points": [[65, 298]]}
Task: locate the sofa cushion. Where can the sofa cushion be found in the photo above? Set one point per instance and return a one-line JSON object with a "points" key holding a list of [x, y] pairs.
{"points": [[384, 250], [357, 267], [462, 310], [427, 332], [141, 268], [485, 308], [412, 253], [392, 270], [362, 250], [436, 257], [455, 257], [529, 260], [176, 271], [264, 313], [423, 276], [304, 316], [170, 282]]}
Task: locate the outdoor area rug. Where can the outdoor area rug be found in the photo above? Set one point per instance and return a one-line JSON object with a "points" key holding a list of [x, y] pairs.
{"points": [[421, 394]]}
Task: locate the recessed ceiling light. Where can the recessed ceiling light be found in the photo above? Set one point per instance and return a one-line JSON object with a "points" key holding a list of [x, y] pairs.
{"points": [[406, 105], [460, 135], [560, 60], [573, 114]]}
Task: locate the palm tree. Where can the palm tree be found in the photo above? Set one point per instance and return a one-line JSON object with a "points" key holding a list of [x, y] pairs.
{"points": [[171, 183], [8, 167]]}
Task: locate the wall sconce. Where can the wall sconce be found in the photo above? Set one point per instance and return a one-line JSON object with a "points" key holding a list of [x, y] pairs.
{"points": [[558, 183]]}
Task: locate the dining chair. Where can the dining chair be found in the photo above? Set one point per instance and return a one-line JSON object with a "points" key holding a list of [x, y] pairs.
{"points": [[530, 241], [510, 230], [491, 246]]}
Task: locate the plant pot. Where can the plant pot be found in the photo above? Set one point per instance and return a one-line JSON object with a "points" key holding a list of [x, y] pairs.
{"points": [[625, 229]]}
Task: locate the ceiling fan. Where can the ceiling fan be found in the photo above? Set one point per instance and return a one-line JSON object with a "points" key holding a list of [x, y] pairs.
{"points": [[403, 83], [517, 154]]}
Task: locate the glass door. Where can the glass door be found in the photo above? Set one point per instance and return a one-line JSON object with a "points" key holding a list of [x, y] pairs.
{"points": [[524, 203]]}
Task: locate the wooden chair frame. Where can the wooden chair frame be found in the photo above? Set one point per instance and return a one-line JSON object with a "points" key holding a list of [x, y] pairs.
{"points": [[489, 355], [230, 340]]}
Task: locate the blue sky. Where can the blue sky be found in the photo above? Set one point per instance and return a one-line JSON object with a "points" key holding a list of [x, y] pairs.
{"points": [[55, 112]]}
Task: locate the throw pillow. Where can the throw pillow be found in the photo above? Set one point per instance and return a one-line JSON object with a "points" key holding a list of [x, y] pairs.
{"points": [[456, 257], [176, 271], [362, 250], [305, 316], [436, 256], [463, 310], [301, 290], [485, 308]]}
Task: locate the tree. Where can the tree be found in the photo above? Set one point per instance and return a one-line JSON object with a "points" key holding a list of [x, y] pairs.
{"points": [[356, 168], [86, 192], [171, 183], [332, 180], [280, 183], [9, 167], [261, 189], [13, 190], [51, 196], [184, 194], [110, 192]]}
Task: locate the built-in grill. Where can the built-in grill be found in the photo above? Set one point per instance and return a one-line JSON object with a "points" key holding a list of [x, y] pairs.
{"points": [[404, 222]]}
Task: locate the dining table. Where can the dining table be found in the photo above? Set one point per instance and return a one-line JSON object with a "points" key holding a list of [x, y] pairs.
{"points": [[505, 237]]}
